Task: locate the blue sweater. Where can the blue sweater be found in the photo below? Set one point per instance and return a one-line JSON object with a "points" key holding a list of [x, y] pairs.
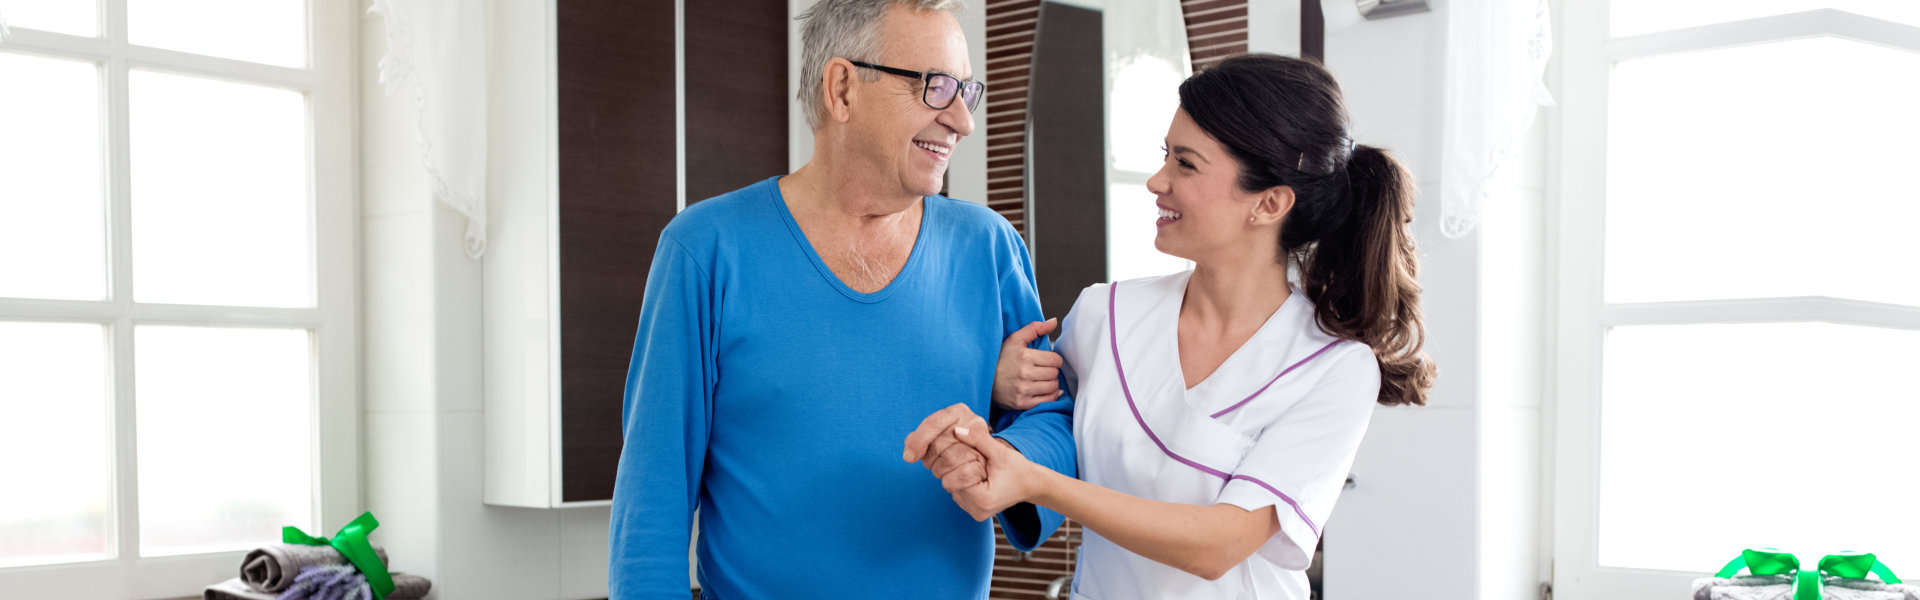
{"points": [[775, 399]]}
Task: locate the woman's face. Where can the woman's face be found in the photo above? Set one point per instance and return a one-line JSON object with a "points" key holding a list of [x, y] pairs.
{"points": [[1203, 211]]}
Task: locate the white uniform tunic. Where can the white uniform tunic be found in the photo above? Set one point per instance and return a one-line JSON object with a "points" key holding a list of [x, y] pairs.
{"points": [[1276, 425]]}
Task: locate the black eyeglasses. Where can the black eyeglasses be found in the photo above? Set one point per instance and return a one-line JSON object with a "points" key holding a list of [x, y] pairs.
{"points": [[941, 88]]}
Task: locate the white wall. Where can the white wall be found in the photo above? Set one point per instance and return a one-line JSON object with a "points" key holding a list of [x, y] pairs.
{"points": [[1448, 495], [423, 364]]}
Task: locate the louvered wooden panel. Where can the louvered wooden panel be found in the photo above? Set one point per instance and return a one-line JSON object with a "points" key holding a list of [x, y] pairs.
{"points": [[1216, 29], [1010, 30], [1026, 577], [1010, 27]]}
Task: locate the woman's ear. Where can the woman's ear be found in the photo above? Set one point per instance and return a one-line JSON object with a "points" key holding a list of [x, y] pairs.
{"points": [[1273, 205], [837, 85]]}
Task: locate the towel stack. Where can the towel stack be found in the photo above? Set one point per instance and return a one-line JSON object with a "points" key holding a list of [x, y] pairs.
{"points": [[1780, 587], [312, 573]]}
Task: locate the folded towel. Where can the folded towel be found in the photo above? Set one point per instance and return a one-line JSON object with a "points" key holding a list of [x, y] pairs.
{"points": [[272, 568], [343, 582], [1780, 587], [232, 589], [405, 587]]}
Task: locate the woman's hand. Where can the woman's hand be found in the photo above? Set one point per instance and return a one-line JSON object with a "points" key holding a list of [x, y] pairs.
{"points": [[1007, 477], [1026, 377]]}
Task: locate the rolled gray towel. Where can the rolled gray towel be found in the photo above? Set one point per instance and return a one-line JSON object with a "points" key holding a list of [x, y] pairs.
{"points": [[272, 568], [232, 589], [1780, 587], [405, 587]]}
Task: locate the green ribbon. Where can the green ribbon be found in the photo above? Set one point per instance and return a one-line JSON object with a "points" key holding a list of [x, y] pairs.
{"points": [[352, 543], [1807, 584]]}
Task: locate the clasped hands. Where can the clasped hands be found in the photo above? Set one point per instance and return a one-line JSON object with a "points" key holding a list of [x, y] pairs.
{"points": [[985, 474]]}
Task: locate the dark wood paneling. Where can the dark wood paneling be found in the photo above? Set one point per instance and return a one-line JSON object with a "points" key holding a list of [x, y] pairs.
{"points": [[616, 106], [736, 65], [1009, 56], [1068, 210], [1313, 32]]}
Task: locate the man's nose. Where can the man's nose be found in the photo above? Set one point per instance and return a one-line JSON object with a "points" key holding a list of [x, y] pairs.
{"points": [[957, 117]]}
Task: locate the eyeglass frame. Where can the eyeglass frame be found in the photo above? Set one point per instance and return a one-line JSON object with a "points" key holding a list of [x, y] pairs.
{"points": [[926, 85]]}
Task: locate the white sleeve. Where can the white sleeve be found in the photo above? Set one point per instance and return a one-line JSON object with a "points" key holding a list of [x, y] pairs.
{"points": [[1080, 335], [1299, 463]]}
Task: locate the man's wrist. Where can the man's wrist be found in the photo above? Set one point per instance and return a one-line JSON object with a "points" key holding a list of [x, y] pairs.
{"points": [[1009, 444]]}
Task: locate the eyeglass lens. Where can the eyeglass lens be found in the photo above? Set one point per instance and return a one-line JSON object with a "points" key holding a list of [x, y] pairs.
{"points": [[942, 88]]}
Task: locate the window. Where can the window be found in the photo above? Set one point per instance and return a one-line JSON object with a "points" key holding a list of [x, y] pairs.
{"points": [[1738, 303], [1147, 60], [177, 327]]}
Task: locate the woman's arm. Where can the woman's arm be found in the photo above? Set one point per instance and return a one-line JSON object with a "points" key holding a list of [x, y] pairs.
{"points": [[1206, 541]]}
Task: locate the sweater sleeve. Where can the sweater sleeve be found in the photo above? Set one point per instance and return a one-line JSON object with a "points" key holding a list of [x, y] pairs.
{"points": [[665, 426], [1044, 433]]}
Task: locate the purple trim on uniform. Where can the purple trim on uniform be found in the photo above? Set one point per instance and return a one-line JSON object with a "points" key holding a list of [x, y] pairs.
{"points": [[1256, 393], [1296, 505], [1113, 340]]}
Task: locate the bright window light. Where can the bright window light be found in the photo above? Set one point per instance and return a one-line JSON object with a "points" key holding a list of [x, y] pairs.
{"points": [[55, 423], [221, 213], [52, 200], [1774, 170], [71, 17], [225, 429], [263, 31], [1634, 17], [1716, 438]]}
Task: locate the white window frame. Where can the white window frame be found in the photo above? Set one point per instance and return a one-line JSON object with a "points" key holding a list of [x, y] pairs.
{"points": [[334, 174], [1586, 56]]}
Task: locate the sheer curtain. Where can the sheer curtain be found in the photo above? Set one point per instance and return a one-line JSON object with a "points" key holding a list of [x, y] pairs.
{"points": [[1497, 53], [443, 66]]}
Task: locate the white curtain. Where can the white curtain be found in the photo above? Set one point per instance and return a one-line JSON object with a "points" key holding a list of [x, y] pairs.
{"points": [[1497, 53], [4, 32], [437, 54]]}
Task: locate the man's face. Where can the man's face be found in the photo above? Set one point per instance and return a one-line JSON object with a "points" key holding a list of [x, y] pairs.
{"points": [[894, 128]]}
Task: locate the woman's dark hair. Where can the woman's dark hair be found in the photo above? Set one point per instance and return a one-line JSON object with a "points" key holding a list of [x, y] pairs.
{"points": [[1284, 121]]}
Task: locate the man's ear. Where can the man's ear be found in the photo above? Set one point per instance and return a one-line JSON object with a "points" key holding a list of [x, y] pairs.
{"points": [[1273, 204], [837, 84]]}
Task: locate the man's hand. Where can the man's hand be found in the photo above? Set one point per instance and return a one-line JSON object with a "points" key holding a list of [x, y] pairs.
{"points": [[1026, 377], [1009, 477], [934, 446]]}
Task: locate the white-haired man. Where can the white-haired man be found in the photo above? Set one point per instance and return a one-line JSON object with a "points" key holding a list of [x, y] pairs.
{"points": [[794, 331]]}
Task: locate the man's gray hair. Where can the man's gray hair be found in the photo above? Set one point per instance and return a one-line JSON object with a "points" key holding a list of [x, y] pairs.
{"points": [[847, 29]]}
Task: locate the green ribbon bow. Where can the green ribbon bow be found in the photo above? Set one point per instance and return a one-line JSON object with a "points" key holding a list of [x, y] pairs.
{"points": [[352, 543], [1807, 584]]}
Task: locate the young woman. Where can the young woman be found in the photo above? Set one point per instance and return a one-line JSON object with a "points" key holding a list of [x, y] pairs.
{"points": [[1218, 410]]}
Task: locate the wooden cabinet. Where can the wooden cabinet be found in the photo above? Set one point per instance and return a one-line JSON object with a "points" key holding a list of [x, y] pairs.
{"points": [[591, 104]]}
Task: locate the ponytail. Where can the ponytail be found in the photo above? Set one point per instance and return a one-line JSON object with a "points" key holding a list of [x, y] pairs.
{"points": [[1284, 121], [1363, 275]]}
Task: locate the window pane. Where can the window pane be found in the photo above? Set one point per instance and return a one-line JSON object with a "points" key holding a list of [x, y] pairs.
{"points": [[264, 31], [52, 210], [1634, 17], [1146, 93], [1716, 438], [73, 17], [1772, 170], [220, 204], [55, 444], [225, 421], [1130, 232]]}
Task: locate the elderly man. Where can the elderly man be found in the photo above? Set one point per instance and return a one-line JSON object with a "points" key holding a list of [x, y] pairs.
{"points": [[796, 330]]}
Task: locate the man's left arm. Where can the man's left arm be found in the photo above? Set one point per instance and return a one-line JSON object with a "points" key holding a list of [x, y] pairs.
{"points": [[1044, 433]]}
